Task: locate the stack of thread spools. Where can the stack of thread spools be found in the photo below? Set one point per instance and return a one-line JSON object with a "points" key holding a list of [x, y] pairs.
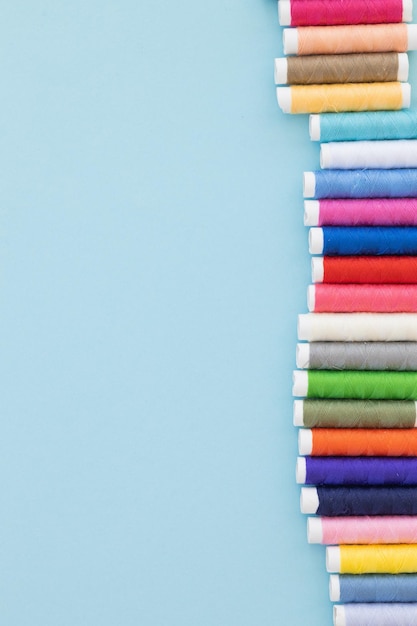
{"points": [[357, 379]]}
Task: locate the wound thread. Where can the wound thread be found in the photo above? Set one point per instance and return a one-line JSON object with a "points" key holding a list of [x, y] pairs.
{"points": [[357, 327], [338, 355], [363, 298], [369, 269], [333, 12], [369, 530], [367, 125], [365, 385], [396, 183], [357, 413], [363, 442], [349, 39], [377, 588], [346, 68], [385, 154], [375, 614], [344, 97], [360, 471], [378, 559], [367, 240], [341, 501], [362, 212]]}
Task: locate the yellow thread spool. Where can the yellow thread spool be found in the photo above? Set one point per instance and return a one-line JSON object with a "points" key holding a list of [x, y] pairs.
{"points": [[344, 97], [378, 559]]}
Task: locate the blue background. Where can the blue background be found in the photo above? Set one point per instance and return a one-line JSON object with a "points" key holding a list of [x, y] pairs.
{"points": [[153, 260]]}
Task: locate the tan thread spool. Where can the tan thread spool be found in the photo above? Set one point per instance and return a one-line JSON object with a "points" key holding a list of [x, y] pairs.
{"points": [[346, 68]]}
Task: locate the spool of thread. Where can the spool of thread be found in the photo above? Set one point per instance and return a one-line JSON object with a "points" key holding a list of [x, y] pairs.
{"points": [[375, 614], [378, 67], [372, 559], [369, 125], [337, 298], [344, 97], [357, 442], [363, 240], [365, 385], [398, 183], [362, 530], [313, 413], [384, 270], [334, 12], [361, 212], [385, 154], [360, 471], [357, 327], [344, 501], [357, 355], [349, 588], [348, 39]]}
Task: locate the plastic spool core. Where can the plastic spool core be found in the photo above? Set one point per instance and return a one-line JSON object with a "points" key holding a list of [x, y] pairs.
{"points": [[311, 212], [333, 559], [301, 471], [309, 183], [314, 530], [339, 615], [407, 10], [316, 240], [412, 36], [311, 297], [305, 441], [298, 413], [314, 127], [334, 587], [302, 356], [317, 269], [281, 71], [304, 327], [284, 13], [309, 500], [284, 98], [406, 91], [290, 41], [403, 66], [300, 383]]}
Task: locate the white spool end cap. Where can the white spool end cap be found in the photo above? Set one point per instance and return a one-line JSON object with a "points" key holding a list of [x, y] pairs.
{"points": [[407, 10], [314, 127], [309, 500], [334, 587], [325, 155], [305, 441], [403, 66], [298, 413], [314, 530], [311, 212], [311, 297], [302, 356], [333, 559], [406, 92], [317, 269], [281, 71], [284, 98], [412, 36], [304, 327], [316, 240], [300, 383], [339, 615], [290, 41], [284, 13], [301, 471], [309, 182]]}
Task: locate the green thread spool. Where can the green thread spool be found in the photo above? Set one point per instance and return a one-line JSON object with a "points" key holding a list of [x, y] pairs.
{"points": [[366, 385]]}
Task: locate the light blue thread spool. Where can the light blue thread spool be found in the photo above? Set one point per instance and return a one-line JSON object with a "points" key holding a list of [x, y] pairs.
{"points": [[364, 126]]}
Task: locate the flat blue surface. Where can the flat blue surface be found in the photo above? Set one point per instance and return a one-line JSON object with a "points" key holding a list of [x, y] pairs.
{"points": [[153, 261]]}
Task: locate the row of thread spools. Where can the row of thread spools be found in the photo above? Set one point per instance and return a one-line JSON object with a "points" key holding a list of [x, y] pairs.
{"points": [[357, 379]]}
